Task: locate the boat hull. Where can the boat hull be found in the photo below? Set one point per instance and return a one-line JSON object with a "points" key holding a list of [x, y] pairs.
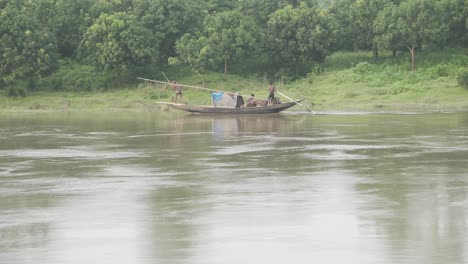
{"points": [[227, 110]]}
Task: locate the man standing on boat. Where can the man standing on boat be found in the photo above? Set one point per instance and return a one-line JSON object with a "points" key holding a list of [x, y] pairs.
{"points": [[178, 90], [271, 96]]}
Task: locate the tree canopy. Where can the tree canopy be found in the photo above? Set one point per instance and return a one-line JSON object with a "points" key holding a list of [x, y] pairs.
{"points": [[414, 24], [289, 35], [27, 49]]}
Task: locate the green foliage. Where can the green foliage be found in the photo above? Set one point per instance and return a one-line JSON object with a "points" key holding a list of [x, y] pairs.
{"points": [[442, 70], [298, 37], [456, 14], [227, 36], [388, 85], [260, 10], [194, 52], [170, 20], [27, 50], [393, 74], [342, 24], [412, 24], [364, 13], [117, 42], [72, 76], [346, 60], [16, 91], [155, 92], [462, 78], [363, 68], [398, 89], [69, 24], [283, 39], [231, 35]]}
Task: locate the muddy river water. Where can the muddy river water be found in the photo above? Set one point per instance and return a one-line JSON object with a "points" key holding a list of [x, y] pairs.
{"points": [[175, 188]]}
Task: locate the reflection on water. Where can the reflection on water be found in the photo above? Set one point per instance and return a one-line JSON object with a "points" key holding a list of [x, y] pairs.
{"points": [[165, 188]]}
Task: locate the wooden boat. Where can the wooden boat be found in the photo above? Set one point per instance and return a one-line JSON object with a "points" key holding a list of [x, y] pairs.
{"points": [[203, 109]]}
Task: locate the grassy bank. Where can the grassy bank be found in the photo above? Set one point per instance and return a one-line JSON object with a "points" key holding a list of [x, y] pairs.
{"points": [[347, 81]]}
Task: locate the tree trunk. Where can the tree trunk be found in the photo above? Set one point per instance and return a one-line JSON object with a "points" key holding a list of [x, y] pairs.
{"points": [[376, 53], [394, 52], [225, 65], [203, 79], [413, 63]]}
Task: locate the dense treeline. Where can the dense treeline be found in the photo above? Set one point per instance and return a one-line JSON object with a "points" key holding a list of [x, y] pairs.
{"points": [[130, 37]]}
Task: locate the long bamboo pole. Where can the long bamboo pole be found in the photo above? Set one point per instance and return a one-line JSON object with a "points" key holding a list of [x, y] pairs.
{"points": [[189, 86], [183, 85], [292, 100]]}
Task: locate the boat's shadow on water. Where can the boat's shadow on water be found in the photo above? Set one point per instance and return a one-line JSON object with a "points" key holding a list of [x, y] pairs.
{"points": [[238, 124]]}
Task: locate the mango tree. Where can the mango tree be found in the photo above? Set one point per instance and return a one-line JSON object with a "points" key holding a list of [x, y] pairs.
{"points": [[27, 49], [298, 36], [193, 51], [414, 24], [364, 13], [117, 41], [226, 37]]}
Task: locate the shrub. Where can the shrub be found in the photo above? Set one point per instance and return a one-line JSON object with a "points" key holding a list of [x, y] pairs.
{"points": [[72, 76], [363, 68], [398, 88], [346, 60], [15, 91], [377, 91], [462, 79], [156, 94], [310, 77], [442, 70]]}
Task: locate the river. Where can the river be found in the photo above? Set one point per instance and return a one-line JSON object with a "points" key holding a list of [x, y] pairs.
{"points": [[175, 188]]}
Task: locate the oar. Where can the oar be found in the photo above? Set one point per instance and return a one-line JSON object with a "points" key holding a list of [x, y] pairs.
{"points": [[292, 100]]}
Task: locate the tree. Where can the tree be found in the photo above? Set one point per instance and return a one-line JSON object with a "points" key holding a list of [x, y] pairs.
{"points": [[364, 13], [456, 16], [70, 23], [260, 10], [195, 52], [110, 7], [231, 35], [117, 41], [225, 37], [299, 36], [27, 50], [412, 24], [343, 24], [170, 20]]}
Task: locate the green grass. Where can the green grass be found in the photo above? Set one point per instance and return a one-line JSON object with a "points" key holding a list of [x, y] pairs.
{"points": [[350, 81]]}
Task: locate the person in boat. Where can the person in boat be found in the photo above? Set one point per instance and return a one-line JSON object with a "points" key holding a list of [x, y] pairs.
{"points": [[271, 96], [240, 101], [251, 101], [178, 90]]}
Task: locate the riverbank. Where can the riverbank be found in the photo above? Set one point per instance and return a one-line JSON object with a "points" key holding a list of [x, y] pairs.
{"points": [[441, 95], [328, 92], [345, 82]]}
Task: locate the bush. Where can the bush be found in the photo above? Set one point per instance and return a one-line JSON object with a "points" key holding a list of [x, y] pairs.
{"points": [[398, 89], [462, 79], [310, 77], [15, 91], [363, 68], [346, 60], [442, 70], [156, 93], [72, 76]]}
